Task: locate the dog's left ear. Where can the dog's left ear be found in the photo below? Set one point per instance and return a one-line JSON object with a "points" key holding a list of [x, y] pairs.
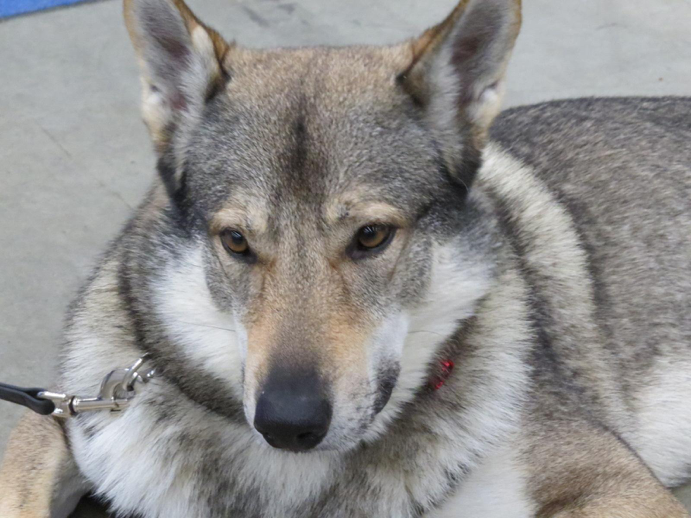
{"points": [[457, 76], [182, 63]]}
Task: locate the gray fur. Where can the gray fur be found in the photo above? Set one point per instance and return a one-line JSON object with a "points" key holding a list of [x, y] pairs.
{"points": [[556, 277], [582, 183]]}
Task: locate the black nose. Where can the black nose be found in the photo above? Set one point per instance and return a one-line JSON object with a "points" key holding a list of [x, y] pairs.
{"points": [[292, 412]]}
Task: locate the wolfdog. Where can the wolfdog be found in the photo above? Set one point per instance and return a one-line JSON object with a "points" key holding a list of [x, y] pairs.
{"points": [[362, 298]]}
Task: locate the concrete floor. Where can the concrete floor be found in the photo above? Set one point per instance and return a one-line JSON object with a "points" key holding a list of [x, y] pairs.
{"points": [[75, 158]]}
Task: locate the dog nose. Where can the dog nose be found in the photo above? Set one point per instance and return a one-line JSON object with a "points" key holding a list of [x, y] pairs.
{"points": [[292, 414]]}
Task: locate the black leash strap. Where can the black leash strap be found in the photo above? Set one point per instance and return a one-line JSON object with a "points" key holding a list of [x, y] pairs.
{"points": [[117, 390], [27, 397]]}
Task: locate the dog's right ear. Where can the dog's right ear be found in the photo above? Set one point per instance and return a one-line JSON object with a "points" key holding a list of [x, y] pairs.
{"points": [[181, 60]]}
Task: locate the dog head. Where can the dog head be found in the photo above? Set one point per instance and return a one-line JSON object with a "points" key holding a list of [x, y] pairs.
{"points": [[333, 243]]}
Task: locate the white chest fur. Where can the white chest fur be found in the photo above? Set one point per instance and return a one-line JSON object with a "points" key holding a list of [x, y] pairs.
{"points": [[495, 489]]}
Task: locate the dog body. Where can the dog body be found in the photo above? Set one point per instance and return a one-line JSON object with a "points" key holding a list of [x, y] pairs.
{"points": [[550, 265]]}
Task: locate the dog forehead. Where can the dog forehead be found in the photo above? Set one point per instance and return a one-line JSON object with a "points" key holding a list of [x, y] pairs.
{"points": [[309, 126], [328, 73]]}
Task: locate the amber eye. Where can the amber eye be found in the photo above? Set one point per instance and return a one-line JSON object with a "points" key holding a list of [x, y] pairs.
{"points": [[372, 238], [234, 242]]}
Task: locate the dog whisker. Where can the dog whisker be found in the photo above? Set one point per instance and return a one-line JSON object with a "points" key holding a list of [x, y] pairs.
{"points": [[425, 331], [209, 326]]}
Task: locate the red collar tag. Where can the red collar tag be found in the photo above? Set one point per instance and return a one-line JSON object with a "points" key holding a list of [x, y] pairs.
{"points": [[445, 370]]}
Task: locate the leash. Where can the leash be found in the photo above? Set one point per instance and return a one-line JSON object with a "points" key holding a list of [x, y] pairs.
{"points": [[27, 397], [118, 388]]}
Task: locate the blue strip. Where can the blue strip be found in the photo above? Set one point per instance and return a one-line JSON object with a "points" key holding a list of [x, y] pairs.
{"points": [[15, 7]]}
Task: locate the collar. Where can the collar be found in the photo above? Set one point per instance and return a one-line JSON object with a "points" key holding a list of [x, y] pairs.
{"points": [[444, 370]]}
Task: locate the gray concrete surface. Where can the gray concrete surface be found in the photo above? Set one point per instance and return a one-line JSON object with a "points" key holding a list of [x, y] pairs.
{"points": [[75, 158]]}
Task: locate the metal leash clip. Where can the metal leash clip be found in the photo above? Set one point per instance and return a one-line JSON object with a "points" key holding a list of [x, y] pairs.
{"points": [[117, 390]]}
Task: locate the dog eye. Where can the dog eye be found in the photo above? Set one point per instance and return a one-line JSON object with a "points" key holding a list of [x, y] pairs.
{"points": [[234, 242], [372, 238]]}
